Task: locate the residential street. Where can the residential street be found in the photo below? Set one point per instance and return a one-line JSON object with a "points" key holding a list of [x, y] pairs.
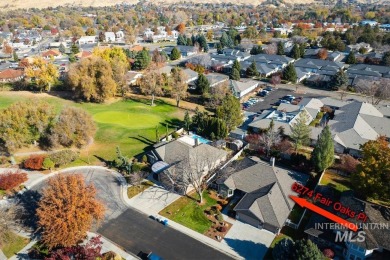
{"points": [[135, 232]]}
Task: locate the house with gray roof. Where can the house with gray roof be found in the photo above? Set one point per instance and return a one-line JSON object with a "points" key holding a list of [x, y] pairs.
{"points": [[185, 51], [263, 190], [366, 70], [240, 88], [173, 162], [310, 67]]}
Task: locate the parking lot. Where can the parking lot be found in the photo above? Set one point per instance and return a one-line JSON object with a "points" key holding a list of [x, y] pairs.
{"points": [[273, 97]]}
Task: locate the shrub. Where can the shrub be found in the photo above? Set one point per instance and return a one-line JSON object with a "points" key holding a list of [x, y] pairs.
{"points": [[34, 162], [11, 180], [144, 158], [48, 164], [175, 135], [110, 255], [63, 157], [222, 229], [218, 207], [219, 216], [328, 253], [136, 167]]}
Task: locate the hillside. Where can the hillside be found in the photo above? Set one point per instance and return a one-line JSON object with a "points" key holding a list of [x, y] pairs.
{"points": [[15, 4]]}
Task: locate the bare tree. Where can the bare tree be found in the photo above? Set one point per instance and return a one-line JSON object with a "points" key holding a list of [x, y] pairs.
{"points": [[136, 178], [271, 48], [151, 83], [179, 85], [190, 172], [376, 91], [270, 138]]}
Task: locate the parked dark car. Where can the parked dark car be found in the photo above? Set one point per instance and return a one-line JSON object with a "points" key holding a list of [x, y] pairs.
{"points": [[269, 88]]}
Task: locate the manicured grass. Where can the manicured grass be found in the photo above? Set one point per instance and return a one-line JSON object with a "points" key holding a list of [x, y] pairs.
{"points": [[189, 213], [135, 190], [13, 244], [128, 124], [336, 181]]}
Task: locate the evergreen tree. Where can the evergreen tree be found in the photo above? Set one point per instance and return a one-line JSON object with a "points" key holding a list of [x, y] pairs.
{"points": [[300, 131], [62, 48], [236, 65], [386, 58], [302, 48], [203, 43], [235, 74], [142, 60], [306, 250], [251, 71], [181, 40], [256, 49], [202, 84], [219, 47], [187, 121], [280, 50], [323, 154], [351, 59], [339, 80], [224, 40], [290, 73], [230, 112], [74, 49], [189, 42], [15, 56], [175, 54], [295, 52]]}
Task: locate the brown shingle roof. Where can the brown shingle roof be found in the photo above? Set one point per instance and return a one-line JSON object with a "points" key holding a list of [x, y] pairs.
{"points": [[10, 74]]}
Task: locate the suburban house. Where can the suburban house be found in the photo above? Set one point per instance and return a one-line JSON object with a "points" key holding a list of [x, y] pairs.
{"points": [[376, 244], [358, 46], [242, 88], [262, 191], [266, 64], [83, 54], [307, 67], [87, 40], [184, 50], [216, 79], [174, 162], [352, 123], [191, 75], [132, 77], [109, 37], [11, 75], [365, 70], [160, 35], [51, 53]]}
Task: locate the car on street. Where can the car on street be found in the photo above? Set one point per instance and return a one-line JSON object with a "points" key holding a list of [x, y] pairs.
{"points": [[269, 88], [263, 93]]}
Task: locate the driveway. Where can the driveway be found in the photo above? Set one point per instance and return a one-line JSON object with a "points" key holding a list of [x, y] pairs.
{"points": [[153, 200], [135, 233], [249, 242]]}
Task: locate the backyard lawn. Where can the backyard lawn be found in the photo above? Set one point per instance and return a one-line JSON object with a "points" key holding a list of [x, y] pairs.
{"points": [[189, 213], [336, 181], [128, 124], [13, 244]]}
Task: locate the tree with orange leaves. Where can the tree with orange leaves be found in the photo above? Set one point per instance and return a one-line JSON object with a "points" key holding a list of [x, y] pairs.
{"points": [[67, 210], [322, 54], [181, 28]]}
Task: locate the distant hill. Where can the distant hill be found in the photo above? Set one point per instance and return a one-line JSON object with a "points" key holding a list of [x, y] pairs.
{"points": [[14, 4]]}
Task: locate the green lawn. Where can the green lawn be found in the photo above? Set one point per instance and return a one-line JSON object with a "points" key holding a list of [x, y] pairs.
{"points": [[128, 124], [336, 181], [13, 244], [135, 190], [189, 213]]}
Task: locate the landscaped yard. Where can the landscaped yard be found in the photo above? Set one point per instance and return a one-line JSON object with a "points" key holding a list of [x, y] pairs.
{"points": [[137, 189], [189, 213], [13, 244], [279, 237], [128, 124], [336, 181]]}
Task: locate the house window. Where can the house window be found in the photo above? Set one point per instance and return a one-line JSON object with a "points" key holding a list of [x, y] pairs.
{"points": [[230, 192]]}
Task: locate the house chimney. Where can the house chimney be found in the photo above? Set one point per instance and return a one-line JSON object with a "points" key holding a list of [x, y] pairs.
{"points": [[272, 161], [196, 141]]}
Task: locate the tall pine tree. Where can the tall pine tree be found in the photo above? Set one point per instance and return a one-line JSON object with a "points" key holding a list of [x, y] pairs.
{"points": [[300, 131], [290, 73], [351, 59], [339, 80], [280, 50], [323, 154], [252, 71], [295, 52], [202, 84]]}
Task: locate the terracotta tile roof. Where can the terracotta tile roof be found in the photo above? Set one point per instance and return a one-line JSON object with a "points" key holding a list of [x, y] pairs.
{"points": [[51, 53], [10, 74], [136, 48], [83, 54]]}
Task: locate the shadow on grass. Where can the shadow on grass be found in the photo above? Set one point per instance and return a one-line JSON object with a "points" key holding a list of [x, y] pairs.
{"points": [[143, 139], [107, 163], [174, 122]]}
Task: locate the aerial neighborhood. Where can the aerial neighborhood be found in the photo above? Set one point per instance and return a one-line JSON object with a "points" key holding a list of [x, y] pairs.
{"points": [[194, 130]]}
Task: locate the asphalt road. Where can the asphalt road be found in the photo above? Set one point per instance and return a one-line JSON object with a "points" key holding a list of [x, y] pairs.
{"points": [[135, 233], [131, 229]]}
